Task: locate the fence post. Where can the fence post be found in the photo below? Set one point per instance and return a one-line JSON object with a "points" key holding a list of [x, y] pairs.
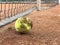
{"points": [[59, 1], [39, 4]]}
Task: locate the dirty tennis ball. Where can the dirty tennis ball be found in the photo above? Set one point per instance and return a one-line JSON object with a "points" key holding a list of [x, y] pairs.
{"points": [[23, 25]]}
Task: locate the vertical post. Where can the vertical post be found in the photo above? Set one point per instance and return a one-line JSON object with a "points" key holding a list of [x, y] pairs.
{"points": [[39, 4], [59, 1]]}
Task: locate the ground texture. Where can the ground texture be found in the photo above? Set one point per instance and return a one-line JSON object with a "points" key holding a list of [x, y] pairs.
{"points": [[45, 31]]}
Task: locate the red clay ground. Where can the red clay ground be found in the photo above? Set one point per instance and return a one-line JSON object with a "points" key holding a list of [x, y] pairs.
{"points": [[45, 31]]}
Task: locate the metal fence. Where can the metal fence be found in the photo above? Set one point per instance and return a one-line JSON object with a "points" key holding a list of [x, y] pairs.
{"points": [[12, 8], [9, 9], [49, 3]]}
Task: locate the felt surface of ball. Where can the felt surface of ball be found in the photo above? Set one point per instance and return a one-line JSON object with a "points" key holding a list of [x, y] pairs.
{"points": [[23, 25]]}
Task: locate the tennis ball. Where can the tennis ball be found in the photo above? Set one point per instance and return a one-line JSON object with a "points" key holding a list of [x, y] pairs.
{"points": [[23, 25]]}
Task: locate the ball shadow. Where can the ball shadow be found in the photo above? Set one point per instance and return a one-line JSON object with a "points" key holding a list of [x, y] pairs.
{"points": [[19, 33]]}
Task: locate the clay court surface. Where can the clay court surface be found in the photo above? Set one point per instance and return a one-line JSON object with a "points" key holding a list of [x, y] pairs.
{"points": [[45, 31]]}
